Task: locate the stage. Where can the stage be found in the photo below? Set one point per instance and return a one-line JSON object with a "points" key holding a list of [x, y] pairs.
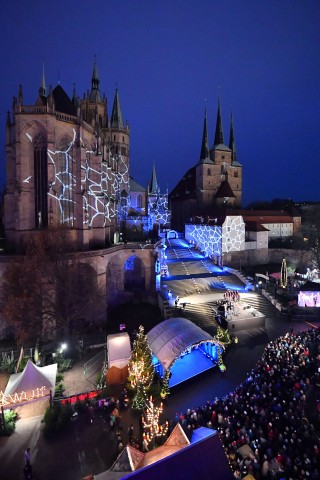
{"points": [[246, 318], [189, 366], [242, 317]]}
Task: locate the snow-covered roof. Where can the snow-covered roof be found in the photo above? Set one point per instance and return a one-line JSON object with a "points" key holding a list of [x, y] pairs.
{"points": [[119, 349], [170, 338]]}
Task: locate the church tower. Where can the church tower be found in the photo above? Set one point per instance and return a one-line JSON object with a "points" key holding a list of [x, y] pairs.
{"points": [[67, 163], [213, 184], [227, 172], [204, 172]]}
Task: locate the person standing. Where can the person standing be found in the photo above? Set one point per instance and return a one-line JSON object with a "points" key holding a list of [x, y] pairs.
{"points": [[27, 456], [130, 433]]}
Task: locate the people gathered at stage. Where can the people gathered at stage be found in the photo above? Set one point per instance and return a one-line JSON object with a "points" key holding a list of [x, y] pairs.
{"points": [[265, 424], [269, 425]]}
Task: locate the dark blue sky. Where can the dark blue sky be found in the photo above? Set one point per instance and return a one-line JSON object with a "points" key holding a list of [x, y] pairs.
{"points": [[261, 57]]}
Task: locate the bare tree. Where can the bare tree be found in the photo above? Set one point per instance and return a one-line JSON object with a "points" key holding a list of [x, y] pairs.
{"points": [[49, 290]]}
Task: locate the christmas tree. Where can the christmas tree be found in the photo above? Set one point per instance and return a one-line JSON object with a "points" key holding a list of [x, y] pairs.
{"points": [[141, 369], [165, 385]]}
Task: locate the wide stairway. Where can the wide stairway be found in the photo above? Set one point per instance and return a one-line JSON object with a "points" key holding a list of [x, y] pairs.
{"points": [[260, 303], [190, 273]]}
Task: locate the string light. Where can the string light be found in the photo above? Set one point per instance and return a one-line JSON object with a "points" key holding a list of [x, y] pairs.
{"points": [[152, 429]]}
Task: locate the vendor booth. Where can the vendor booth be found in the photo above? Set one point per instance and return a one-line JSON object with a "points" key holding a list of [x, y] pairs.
{"points": [[119, 352], [182, 348], [34, 382]]}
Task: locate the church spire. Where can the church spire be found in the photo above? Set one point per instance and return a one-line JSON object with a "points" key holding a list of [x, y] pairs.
{"points": [[116, 115], [95, 85], [204, 154], [154, 187], [218, 137], [42, 89], [232, 143]]}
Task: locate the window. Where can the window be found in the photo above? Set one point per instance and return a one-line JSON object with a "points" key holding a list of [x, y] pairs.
{"points": [[40, 181], [139, 201], [209, 171], [236, 173]]}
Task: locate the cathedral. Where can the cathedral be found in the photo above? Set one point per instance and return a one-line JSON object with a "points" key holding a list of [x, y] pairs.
{"points": [[68, 163], [213, 184]]}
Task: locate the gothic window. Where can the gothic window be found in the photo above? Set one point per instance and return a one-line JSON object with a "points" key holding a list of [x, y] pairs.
{"points": [[40, 181], [236, 173], [209, 171], [65, 180], [139, 201]]}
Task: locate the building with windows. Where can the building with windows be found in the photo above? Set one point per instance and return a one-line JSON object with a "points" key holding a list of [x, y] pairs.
{"points": [[215, 181], [68, 163]]}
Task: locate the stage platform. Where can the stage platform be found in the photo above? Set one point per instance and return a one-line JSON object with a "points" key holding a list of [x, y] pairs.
{"points": [[189, 366], [246, 318]]}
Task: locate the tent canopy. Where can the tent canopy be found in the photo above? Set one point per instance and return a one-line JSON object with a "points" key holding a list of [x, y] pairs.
{"points": [[31, 378], [170, 338], [119, 350]]}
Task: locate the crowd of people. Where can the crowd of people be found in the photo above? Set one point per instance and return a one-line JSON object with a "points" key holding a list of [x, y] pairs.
{"points": [[264, 424]]}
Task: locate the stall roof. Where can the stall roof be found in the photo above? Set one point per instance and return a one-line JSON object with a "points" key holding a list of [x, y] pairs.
{"points": [[119, 349]]}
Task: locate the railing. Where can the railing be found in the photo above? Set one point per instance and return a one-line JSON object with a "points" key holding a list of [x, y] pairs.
{"points": [[92, 367]]}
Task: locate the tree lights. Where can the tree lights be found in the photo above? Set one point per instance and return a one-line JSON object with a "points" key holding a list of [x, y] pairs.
{"points": [[141, 369], [153, 431]]}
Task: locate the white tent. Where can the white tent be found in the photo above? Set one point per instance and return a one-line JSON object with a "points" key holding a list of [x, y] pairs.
{"points": [[32, 382], [119, 352]]}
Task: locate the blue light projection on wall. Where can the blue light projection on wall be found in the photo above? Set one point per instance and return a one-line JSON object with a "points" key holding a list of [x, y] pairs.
{"points": [[104, 184], [129, 263], [207, 238], [214, 240], [233, 234], [158, 210]]}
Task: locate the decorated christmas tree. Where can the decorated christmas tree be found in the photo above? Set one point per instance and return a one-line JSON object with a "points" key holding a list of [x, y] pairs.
{"points": [[141, 369], [165, 391], [223, 336]]}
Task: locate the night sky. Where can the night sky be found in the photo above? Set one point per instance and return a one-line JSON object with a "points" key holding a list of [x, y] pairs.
{"points": [[170, 60]]}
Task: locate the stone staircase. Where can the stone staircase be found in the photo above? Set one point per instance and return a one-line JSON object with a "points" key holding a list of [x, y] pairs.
{"points": [[260, 303]]}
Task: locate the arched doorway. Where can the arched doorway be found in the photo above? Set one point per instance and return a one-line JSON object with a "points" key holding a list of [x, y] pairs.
{"points": [[134, 274]]}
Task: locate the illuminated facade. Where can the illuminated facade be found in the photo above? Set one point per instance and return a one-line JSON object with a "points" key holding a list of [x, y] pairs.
{"points": [[68, 163], [218, 236]]}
